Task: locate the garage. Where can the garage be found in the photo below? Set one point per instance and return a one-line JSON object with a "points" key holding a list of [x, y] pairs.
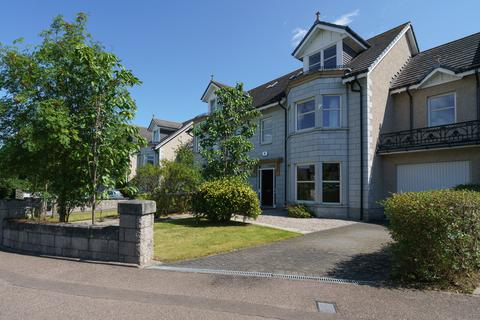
{"points": [[431, 176]]}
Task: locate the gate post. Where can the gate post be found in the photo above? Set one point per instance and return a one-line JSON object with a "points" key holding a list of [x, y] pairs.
{"points": [[135, 243]]}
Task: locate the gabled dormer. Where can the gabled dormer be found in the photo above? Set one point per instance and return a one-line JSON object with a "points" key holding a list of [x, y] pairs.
{"points": [[161, 129], [328, 46], [209, 95]]}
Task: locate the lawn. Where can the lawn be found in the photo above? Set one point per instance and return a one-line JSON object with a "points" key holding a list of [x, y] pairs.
{"points": [[87, 215], [187, 239]]}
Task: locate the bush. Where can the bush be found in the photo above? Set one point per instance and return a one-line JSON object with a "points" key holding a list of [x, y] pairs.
{"points": [[468, 187], [147, 178], [221, 199], [179, 181], [299, 211], [437, 236]]}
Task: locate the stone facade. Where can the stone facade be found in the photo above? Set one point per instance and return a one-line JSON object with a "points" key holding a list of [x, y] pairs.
{"points": [[131, 242]]}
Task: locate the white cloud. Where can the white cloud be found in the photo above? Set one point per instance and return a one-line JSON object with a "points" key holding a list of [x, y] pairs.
{"points": [[298, 34], [347, 17]]}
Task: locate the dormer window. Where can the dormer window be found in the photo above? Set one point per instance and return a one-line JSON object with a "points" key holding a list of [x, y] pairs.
{"points": [[156, 135], [324, 59], [213, 105]]}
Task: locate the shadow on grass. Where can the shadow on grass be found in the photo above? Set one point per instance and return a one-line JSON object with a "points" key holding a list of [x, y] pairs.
{"points": [[202, 223], [372, 267]]}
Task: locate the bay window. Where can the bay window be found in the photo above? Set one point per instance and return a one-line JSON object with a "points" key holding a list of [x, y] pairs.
{"points": [[331, 182], [331, 111], [306, 182], [305, 115]]}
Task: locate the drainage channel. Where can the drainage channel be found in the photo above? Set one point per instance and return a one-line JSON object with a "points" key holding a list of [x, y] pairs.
{"points": [[260, 275]]}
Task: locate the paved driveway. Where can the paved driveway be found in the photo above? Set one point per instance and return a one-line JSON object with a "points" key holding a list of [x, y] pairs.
{"points": [[354, 252]]}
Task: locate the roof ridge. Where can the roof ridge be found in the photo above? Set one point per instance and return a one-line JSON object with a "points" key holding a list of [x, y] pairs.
{"points": [[450, 42], [275, 79], [389, 30]]}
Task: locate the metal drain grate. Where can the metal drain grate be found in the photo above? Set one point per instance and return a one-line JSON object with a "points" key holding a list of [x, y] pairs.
{"points": [[326, 307], [259, 274]]}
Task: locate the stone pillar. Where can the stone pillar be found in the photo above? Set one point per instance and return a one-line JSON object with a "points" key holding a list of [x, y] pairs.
{"points": [[135, 243]]}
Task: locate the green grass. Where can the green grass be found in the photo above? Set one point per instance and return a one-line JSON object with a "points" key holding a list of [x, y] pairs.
{"points": [[187, 239], [87, 215]]}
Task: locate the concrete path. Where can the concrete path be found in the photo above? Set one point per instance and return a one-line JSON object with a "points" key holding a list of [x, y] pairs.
{"points": [[42, 288], [353, 252]]}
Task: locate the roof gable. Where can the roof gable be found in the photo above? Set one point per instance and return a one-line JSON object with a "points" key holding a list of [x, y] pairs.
{"points": [[454, 57], [211, 88], [326, 30]]}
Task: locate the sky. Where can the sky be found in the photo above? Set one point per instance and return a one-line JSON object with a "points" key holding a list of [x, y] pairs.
{"points": [[175, 46]]}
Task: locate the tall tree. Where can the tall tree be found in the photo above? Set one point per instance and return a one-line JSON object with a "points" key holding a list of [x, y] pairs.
{"points": [[225, 134], [65, 113]]}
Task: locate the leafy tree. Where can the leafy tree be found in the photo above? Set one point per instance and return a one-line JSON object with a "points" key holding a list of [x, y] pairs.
{"points": [[225, 134], [64, 114], [147, 178]]}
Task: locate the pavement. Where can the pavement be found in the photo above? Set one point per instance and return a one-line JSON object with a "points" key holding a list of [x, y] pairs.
{"points": [[45, 288], [278, 219], [353, 252]]}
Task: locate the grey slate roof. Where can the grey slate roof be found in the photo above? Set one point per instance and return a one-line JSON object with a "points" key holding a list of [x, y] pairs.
{"points": [[378, 44], [167, 124], [145, 133], [458, 56], [270, 92]]}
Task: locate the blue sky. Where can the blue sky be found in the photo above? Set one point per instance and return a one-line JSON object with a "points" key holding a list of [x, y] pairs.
{"points": [[174, 46]]}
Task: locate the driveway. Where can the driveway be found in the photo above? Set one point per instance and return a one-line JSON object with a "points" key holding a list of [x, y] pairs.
{"points": [[353, 252]]}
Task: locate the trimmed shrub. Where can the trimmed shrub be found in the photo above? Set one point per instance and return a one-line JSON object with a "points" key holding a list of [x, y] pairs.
{"points": [[468, 187], [299, 211], [221, 199], [437, 236]]}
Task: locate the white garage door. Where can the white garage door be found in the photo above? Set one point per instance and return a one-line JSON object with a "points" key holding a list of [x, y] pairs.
{"points": [[428, 176]]}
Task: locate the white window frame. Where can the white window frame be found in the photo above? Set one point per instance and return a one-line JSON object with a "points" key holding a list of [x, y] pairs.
{"points": [[332, 181], [262, 121], [314, 114], [322, 57], [156, 131], [212, 106], [196, 144], [339, 110], [438, 96], [314, 182]]}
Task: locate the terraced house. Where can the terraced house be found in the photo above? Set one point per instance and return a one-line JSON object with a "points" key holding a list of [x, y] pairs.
{"points": [[362, 118]]}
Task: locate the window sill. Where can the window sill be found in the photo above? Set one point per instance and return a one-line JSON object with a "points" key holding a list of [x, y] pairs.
{"points": [[298, 132], [265, 143]]}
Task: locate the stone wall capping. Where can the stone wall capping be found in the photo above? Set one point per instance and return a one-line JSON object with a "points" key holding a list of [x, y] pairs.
{"points": [[137, 207]]}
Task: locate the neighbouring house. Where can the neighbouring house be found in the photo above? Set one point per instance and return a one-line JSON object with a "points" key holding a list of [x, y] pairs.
{"points": [[362, 118], [163, 139]]}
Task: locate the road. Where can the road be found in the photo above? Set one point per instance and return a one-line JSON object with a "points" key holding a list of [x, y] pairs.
{"points": [[45, 288]]}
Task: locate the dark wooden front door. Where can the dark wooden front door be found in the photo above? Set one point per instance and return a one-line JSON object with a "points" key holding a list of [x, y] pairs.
{"points": [[267, 187]]}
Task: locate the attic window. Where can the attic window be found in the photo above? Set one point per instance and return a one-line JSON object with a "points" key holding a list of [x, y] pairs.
{"points": [[324, 59], [271, 85]]}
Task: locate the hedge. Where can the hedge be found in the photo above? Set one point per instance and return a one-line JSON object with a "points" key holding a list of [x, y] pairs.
{"points": [[221, 199], [298, 211], [436, 234]]}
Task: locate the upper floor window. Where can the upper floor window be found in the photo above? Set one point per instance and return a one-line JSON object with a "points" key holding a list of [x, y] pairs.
{"points": [[156, 135], [213, 105], [326, 58], [266, 130], [306, 182], [330, 57], [441, 110], [331, 111], [305, 115]]}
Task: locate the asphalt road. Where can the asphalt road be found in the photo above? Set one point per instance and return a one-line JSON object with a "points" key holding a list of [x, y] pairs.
{"points": [[44, 288]]}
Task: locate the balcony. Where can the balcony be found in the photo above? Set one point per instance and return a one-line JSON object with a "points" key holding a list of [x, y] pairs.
{"points": [[446, 136]]}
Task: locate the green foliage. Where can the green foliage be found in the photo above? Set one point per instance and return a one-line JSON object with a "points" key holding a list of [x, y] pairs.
{"points": [[147, 179], [9, 185], [180, 178], [221, 199], [299, 211], [65, 110], [64, 114], [129, 192], [225, 135], [437, 235], [468, 187]]}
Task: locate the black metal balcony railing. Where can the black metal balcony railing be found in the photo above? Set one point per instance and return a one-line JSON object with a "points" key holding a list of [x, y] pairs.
{"points": [[450, 135]]}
